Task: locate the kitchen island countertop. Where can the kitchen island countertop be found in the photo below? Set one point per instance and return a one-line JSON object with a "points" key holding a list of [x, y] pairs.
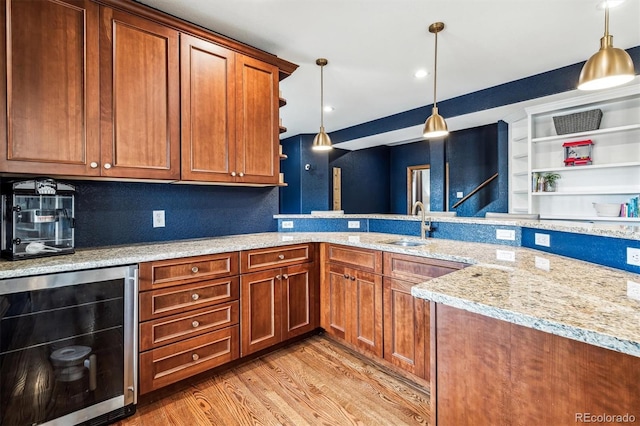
{"points": [[559, 295]]}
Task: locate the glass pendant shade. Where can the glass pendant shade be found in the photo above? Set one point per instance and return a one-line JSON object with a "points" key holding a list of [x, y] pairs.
{"points": [[435, 126], [322, 142], [609, 67]]}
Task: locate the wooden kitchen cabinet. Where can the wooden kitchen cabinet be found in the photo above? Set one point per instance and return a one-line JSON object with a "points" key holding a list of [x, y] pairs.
{"points": [[50, 104], [277, 303], [139, 97], [189, 313], [229, 115], [351, 296], [407, 318]]}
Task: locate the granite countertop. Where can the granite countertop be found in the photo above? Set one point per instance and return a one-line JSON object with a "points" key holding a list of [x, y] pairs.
{"points": [[628, 230], [563, 296]]}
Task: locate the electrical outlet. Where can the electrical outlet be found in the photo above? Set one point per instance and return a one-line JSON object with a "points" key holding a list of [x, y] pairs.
{"points": [[158, 218], [633, 256], [287, 224], [505, 234], [633, 290], [542, 240], [507, 255], [354, 224]]}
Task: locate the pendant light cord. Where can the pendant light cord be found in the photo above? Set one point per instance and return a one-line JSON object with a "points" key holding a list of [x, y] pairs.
{"points": [[322, 96], [606, 20], [435, 70]]}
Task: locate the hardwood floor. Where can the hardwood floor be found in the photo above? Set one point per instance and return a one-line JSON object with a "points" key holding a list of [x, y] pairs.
{"points": [[312, 382]]}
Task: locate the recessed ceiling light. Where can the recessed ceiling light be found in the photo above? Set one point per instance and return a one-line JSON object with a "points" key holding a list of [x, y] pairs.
{"points": [[610, 3], [421, 74], [328, 108]]}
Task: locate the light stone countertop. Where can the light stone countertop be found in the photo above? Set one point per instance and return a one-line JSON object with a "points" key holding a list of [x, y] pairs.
{"points": [[566, 297], [627, 230]]}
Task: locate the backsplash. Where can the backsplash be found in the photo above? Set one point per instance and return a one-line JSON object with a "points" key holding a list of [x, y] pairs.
{"points": [[115, 213]]}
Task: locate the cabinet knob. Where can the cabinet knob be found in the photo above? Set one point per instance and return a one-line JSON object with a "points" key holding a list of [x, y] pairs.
{"points": [[195, 324], [346, 276], [278, 277], [281, 256], [240, 174], [352, 278], [195, 296], [194, 269], [233, 173], [195, 357], [93, 165], [107, 166], [285, 276]]}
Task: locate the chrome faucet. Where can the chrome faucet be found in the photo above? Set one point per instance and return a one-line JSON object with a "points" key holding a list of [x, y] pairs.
{"points": [[424, 227]]}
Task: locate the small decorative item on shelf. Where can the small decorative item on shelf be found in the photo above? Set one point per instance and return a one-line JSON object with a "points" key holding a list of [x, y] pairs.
{"points": [[631, 208], [577, 153], [578, 122], [550, 184], [607, 209]]}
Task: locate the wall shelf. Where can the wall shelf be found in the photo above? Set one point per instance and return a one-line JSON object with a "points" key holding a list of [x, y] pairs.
{"points": [[590, 134], [587, 168]]}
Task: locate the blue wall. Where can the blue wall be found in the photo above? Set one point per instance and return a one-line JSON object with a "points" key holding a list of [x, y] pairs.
{"points": [[115, 213], [365, 179]]}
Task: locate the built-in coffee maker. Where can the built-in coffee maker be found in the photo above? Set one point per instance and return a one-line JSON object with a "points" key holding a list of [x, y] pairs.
{"points": [[37, 218]]}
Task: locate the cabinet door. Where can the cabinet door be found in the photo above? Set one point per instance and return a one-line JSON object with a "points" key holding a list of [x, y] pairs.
{"points": [[50, 62], [208, 110], [406, 330], [258, 122], [334, 300], [261, 297], [140, 104], [366, 311], [299, 300]]}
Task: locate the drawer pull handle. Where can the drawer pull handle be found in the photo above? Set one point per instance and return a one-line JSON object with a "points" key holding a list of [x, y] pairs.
{"points": [[194, 269], [285, 276], [195, 324], [195, 296], [281, 256], [195, 357]]}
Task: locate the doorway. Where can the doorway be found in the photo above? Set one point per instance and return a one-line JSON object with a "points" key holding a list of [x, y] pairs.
{"points": [[419, 186]]}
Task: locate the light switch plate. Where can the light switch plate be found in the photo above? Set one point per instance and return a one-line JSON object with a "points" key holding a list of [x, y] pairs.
{"points": [[354, 224], [287, 224], [158, 218], [542, 239], [505, 234], [459, 194]]}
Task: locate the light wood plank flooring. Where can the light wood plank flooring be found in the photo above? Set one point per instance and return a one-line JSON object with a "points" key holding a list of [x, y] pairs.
{"points": [[312, 382]]}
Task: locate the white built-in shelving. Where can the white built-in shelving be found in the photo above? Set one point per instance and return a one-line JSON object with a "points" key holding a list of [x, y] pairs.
{"points": [[613, 176]]}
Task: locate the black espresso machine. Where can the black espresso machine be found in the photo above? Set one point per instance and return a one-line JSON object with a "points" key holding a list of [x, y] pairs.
{"points": [[37, 218]]}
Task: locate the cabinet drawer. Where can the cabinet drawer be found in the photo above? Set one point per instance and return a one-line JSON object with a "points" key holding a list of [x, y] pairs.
{"points": [[363, 259], [177, 327], [178, 299], [275, 257], [417, 269], [165, 273], [172, 363]]}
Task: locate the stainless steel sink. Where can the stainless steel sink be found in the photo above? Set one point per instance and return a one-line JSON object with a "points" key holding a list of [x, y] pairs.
{"points": [[407, 243]]}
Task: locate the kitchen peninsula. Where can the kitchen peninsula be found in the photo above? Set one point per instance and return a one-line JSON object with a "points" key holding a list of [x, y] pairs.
{"points": [[549, 303]]}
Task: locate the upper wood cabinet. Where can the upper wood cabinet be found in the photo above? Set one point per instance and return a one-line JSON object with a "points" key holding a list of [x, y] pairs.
{"points": [[49, 54], [229, 115], [139, 88]]}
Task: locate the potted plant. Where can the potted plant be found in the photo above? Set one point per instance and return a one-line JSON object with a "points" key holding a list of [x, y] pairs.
{"points": [[550, 181]]}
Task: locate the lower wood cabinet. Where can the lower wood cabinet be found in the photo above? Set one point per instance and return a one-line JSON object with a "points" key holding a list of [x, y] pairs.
{"points": [[351, 297], [492, 372], [277, 304], [189, 317]]}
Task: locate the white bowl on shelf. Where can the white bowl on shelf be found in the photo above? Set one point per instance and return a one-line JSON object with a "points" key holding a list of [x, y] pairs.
{"points": [[607, 209]]}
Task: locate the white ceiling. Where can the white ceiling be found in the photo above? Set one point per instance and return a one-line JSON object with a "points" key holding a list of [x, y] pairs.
{"points": [[375, 46]]}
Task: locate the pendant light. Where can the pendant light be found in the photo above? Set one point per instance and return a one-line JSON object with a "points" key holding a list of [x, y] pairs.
{"points": [[322, 142], [435, 126], [609, 66]]}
